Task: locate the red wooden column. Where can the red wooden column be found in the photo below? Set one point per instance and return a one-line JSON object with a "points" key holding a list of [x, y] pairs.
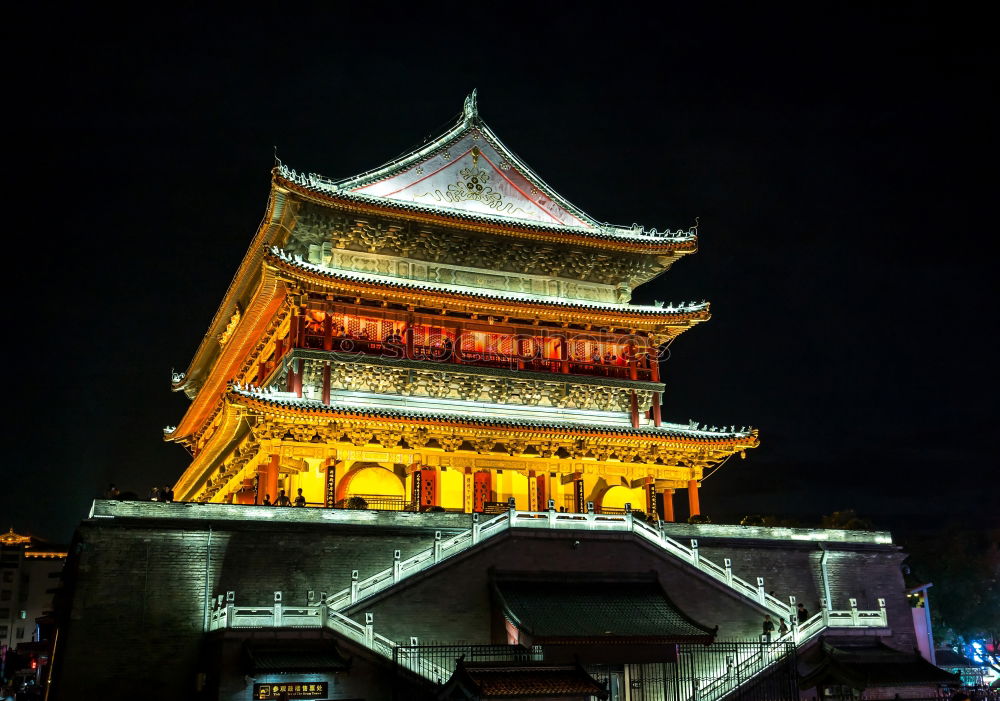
{"points": [[326, 383], [482, 489], [695, 507], [294, 330], [328, 332], [634, 408], [564, 354], [456, 352], [408, 340], [541, 498], [668, 505], [267, 479], [654, 365], [657, 420]]}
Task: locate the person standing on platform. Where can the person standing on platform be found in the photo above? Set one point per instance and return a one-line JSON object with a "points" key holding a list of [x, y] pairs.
{"points": [[282, 499], [299, 499], [267, 500], [768, 628], [801, 613]]}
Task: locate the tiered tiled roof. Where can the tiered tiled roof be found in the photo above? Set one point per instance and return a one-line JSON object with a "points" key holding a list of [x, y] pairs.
{"points": [[468, 174], [284, 261], [264, 400]]}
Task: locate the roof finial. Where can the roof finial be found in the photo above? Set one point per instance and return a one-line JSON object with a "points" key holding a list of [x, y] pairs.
{"points": [[470, 111]]}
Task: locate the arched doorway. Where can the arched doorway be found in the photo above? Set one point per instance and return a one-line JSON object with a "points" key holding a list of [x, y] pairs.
{"points": [[378, 486], [613, 500]]}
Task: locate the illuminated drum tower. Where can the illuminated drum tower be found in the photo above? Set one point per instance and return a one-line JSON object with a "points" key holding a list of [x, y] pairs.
{"points": [[443, 332]]}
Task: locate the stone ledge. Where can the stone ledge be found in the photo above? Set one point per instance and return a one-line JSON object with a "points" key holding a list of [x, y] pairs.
{"points": [[196, 511], [686, 531]]}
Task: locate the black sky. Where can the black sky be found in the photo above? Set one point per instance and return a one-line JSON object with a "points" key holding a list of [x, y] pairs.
{"points": [[840, 157]]}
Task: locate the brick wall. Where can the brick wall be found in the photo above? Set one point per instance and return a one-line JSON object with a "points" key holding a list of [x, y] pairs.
{"points": [[141, 571]]}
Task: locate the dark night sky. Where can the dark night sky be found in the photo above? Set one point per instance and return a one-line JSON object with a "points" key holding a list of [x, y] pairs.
{"points": [[840, 158]]}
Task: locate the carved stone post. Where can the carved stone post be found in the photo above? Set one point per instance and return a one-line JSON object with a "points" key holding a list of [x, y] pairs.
{"points": [[370, 629]]}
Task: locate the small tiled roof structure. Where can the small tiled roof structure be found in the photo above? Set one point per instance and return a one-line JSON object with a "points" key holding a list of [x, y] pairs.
{"points": [[299, 656], [505, 680], [866, 665], [557, 608], [953, 660]]}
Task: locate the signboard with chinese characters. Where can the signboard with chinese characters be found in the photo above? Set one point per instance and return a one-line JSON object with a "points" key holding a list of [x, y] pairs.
{"points": [[291, 690]]}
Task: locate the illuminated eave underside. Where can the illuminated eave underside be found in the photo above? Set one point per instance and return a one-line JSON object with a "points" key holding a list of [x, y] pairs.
{"points": [[356, 202], [670, 433], [364, 283]]}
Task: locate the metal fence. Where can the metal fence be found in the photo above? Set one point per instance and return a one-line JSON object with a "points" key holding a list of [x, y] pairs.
{"points": [[730, 671]]}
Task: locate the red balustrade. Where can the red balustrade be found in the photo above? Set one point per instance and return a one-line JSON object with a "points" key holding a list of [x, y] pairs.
{"points": [[319, 336]]}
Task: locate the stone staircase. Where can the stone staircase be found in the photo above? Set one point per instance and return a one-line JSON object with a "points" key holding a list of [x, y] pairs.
{"points": [[326, 610]]}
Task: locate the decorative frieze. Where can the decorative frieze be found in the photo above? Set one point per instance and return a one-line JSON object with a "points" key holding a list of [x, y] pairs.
{"points": [[401, 248], [438, 384]]}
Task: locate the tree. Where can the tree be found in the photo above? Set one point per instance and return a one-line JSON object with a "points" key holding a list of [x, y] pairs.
{"points": [[964, 566], [355, 502], [847, 520]]}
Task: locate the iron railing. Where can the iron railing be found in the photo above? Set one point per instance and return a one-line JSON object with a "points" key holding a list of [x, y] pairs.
{"points": [[740, 670]]}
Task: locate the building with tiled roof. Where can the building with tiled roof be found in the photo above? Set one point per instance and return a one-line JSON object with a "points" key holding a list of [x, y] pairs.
{"points": [[445, 331], [442, 358]]}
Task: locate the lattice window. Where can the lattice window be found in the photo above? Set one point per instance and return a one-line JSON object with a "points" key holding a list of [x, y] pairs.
{"points": [[530, 345]]}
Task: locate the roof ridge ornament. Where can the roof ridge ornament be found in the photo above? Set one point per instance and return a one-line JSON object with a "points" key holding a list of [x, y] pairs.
{"points": [[470, 111]]}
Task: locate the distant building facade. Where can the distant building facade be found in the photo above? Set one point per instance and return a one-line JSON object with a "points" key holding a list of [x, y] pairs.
{"points": [[30, 569]]}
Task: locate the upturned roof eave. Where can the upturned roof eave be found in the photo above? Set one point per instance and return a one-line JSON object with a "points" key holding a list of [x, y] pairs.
{"points": [[469, 120], [674, 434], [311, 272], [249, 267], [611, 237]]}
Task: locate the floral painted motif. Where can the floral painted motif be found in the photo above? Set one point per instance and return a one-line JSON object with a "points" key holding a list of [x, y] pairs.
{"points": [[475, 186]]}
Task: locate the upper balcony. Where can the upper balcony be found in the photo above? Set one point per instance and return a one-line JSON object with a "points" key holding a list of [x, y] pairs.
{"points": [[597, 355]]}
